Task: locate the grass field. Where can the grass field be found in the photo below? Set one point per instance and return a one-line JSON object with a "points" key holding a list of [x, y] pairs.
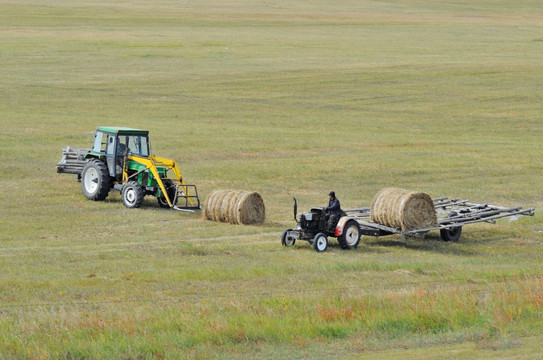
{"points": [[288, 98]]}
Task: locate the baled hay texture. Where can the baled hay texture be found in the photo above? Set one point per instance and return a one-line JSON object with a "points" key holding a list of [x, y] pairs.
{"points": [[217, 203], [208, 208], [251, 209], [235, 207], [403, 209], [231, 211]]}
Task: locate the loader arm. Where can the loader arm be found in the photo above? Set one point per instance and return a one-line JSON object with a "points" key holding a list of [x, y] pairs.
{"points": [[173, 166], [151, 163]]}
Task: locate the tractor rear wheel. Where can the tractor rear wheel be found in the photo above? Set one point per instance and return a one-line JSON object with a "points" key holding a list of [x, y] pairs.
{"points": [[95, 180], [132, 195], [170, 189], [351, 235]]}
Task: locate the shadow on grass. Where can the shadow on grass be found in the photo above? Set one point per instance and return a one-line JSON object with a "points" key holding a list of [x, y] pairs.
{"points": [[430, 243]]}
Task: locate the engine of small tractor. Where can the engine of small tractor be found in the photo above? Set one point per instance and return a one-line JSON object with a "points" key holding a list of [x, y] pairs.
{"points": [[313, 222]]}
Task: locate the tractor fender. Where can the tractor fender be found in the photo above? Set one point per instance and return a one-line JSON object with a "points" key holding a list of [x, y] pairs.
{"points": [[341, 225]]}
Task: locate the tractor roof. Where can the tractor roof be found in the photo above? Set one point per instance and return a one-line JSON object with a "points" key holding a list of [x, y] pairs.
{"points": [[121, 130]]}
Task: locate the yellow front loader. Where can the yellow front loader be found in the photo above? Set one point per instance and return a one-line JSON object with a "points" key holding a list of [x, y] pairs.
{"points": [[150, 174]]}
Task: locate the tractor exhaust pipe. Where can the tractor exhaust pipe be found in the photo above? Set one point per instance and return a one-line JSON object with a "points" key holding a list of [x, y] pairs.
{"points": [[295, 209]]}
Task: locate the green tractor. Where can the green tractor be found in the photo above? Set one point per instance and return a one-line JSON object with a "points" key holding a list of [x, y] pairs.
{"points": [[120, 159]]}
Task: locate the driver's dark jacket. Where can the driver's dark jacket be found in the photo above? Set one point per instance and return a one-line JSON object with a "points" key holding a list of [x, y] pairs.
{"points": [[334, 207]]}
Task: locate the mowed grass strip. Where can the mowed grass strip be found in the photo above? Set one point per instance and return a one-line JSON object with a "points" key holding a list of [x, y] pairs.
{"points": [[287, 99]]}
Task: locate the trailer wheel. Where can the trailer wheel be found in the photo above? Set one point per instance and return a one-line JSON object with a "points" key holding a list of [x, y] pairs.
{"points": [[132, 195], [452, 234], [351, 235], [286, 241], [320, 242], [95, 180], [170, 189]]}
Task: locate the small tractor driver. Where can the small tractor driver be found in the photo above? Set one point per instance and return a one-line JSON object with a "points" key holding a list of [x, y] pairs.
{"points": [[333, 211]]}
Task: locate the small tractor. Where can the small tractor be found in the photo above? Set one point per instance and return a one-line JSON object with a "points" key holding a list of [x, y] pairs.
{"points": [[120, 159], [314, 228]]}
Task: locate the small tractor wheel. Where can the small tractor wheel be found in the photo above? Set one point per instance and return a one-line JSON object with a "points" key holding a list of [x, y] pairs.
{"points": [[170, 189], [351, 235], [452, 234], [285, 241], [132, 195], [95, 180], [320, 242]]}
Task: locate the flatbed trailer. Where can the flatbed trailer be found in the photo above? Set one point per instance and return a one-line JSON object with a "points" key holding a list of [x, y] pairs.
{"points": [[452, 215]]}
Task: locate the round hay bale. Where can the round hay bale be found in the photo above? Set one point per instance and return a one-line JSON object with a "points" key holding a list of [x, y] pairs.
{"points": [[403, 209], [235, 207]]}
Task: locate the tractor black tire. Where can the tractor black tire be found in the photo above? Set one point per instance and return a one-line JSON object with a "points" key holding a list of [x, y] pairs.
{"points": [[320, 242], [95, 180], [132, 195], [452, 234], [285, 241], [170, 189], [351, 235]]}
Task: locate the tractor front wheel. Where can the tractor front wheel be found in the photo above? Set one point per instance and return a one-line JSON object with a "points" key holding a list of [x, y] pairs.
{"points": [[170, 189], [132, 195], [95, 180], [320, 242], [285, 241]]}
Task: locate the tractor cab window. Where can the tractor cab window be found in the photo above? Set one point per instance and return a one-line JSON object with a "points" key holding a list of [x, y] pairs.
{"points": [[110, 148], [99, 142], [137, 145]]}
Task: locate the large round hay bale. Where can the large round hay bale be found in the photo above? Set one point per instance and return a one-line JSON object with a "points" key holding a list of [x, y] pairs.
{"points": [[403, 209], [235, 207]]}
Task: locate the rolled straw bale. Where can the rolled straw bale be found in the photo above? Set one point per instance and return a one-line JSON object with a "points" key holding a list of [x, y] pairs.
{"points": [[235, 207], [403, 209]]}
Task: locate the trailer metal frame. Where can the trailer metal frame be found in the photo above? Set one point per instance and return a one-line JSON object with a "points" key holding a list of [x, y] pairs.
{"points": [[451, 213]]}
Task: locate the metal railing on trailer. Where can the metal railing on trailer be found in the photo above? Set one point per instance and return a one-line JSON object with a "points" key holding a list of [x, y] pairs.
{"points": [[452, 215]]}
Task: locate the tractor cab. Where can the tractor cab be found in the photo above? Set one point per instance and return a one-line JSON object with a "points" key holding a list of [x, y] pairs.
{"points": [[114, 144]]}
